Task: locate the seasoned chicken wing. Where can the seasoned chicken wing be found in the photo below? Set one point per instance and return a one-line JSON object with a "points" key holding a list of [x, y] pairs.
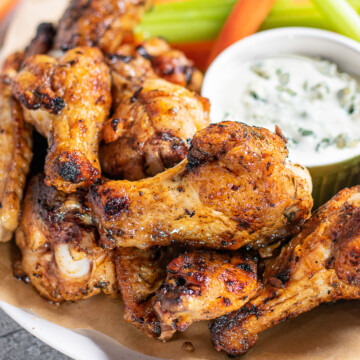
{"points": [[151, 129], [234, 189], [154, 118], [59, 247], [140, 274], [321, 264], [203, 285], [67, 100], [15, 150], [101, 23]]}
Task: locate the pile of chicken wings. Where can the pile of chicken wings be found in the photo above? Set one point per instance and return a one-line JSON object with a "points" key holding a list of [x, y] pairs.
{"points": [[138, 194]]}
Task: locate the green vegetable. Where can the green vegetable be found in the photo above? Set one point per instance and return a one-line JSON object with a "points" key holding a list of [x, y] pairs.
{"points": [[199, 20], [341, 15]]}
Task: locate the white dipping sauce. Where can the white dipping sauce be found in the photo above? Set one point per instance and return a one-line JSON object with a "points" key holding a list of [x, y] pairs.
{"points": [[316, 107]]}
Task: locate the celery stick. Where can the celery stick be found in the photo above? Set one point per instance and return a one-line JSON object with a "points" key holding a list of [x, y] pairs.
{"points": [[215, 14], [341, 15], [197, 20], [178, 32]]}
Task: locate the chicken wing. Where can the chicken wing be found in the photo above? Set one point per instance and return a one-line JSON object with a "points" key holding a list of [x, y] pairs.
{"points": [[234, 189], [140, 274], [101, 23], [154, 118], [59, 247], [321, 264], [203, 285], [67, 101], [151, 129], [15, 150]]}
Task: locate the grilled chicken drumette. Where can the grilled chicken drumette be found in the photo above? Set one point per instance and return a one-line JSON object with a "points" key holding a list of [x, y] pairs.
{"points": [[234, 189], [104, 24], [203, 285], [321, 264], [59, 247], [15, 150], [67, 100]]}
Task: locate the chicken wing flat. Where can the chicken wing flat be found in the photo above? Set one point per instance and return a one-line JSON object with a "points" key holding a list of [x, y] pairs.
{"points": [[151, 129], [101, 23], [59, 247], [234, 189], [15, 150], [140, 274], [321, 264], [203, 285], [67, 101]]}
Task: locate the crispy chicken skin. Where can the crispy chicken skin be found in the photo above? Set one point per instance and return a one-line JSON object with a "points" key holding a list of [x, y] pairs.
{"points": [[67, 100], [59, 246], [99, 23], [321, 264], [151, 129], [15, 150], [203, 285], [234, 189], [140, 274]]}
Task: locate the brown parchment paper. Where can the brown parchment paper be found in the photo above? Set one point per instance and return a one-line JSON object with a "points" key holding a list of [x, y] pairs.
{"points": [[328, 332]]}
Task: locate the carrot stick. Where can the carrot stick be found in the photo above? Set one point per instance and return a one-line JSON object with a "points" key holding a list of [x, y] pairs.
{"points": [[245, 19], [6, 6]]}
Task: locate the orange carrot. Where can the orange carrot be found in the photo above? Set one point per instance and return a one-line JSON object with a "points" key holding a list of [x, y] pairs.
{"points": [[245, 19], [6, 6], [196, 51]]}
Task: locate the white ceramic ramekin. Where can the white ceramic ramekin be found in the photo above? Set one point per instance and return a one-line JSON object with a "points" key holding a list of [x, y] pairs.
{"points": [[328, 178]]}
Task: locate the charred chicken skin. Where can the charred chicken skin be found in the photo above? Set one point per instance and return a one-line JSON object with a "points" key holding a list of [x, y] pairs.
{"points": [[104, 24], [321, 264], [234, 189], [203, 285], [151, 129], [67, 101], [15, 150], [59, 247], [140, 274]]}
